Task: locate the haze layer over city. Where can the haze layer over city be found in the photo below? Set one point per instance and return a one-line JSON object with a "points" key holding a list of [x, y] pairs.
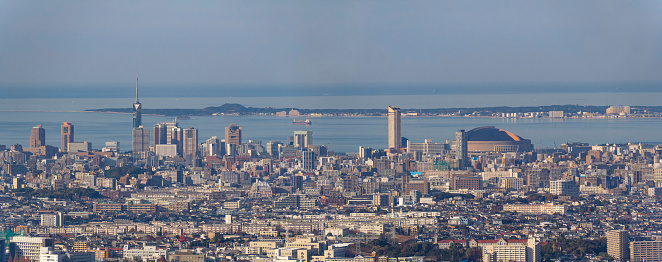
{"points": [[380, 131]]}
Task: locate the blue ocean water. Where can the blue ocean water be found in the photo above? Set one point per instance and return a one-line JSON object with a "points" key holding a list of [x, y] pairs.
{"points": [[19, 111], [341, 134]]}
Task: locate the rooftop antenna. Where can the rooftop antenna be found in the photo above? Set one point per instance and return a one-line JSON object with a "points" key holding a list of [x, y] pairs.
{"points": [[136, 89], [358, 248], [287, 231]]}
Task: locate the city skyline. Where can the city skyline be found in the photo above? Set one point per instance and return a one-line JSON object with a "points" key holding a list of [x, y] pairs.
{"points": [[486, 171], [434, 131]]}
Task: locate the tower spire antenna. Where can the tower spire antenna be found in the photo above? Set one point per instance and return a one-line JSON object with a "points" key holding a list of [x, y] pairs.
{"points": [[136, 89]]}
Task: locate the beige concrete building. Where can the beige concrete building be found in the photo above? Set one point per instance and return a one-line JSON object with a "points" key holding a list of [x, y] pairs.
{"points": [[526, 250], [617, 244], [394, 128], [649, 251], [549, 209], [618, 110]]}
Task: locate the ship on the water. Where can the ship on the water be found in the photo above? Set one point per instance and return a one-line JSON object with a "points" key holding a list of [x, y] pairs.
{"points": [[302, 122]]}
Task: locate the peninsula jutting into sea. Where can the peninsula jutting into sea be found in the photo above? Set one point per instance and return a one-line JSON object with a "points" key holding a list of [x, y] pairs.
{"points": [[552, 111]]}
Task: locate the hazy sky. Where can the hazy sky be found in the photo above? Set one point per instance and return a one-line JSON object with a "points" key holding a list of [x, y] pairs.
{"points": [[327, 42]]}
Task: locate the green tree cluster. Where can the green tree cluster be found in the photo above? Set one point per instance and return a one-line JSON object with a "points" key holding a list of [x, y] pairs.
{"points": [[577, 247], [455, 252]]}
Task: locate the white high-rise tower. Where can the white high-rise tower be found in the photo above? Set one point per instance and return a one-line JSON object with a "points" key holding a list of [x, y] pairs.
{"points": [[394, 131]]}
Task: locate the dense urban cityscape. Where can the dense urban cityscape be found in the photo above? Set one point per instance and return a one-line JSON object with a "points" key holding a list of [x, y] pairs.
{"points": [[488, 195]]}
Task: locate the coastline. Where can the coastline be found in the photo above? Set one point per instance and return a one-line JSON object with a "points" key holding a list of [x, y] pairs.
{"points": [[345, 115], [505, 112]]}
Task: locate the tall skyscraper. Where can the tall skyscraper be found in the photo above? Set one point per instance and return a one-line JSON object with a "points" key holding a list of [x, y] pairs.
{"points": [[303, 139], [461, 153], [233, 135], [168, 133], [140, 136], [37, 136], [137, 110], [308, 160], [176, 138], [140, 140], [190, 142], [160, 134], [66, 135], [211, 147], [394, 130], [272, 148], [618, 242]]}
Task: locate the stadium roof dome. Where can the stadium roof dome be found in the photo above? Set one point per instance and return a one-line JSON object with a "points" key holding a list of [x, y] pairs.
{"points": [[491, 133]]}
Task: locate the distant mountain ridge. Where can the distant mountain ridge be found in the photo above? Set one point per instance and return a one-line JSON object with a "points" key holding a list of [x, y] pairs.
{"points": [[237, 109]]}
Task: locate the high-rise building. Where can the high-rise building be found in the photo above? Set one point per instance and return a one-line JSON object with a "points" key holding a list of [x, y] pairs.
{"points": [[394, 131], [230, 149], [297, 182], [176, 138], [140, 139], [168, 133], [137, 110], [641, 251], [272, 148], [461, 153], [169, 126], [616, 110], [66, 135], [365, 152], [564, 187], [190, 142], [523, 250], [617, 244], [52, 220], [160, 134], [37, 137], [233, 135], [303, 139], [28, 246], [308, 160], [211, 147]]}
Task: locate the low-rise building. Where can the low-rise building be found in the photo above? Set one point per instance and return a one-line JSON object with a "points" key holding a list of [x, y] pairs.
{"points": [[536, 209]]}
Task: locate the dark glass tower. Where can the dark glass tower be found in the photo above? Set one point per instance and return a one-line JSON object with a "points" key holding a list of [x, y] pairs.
{"points": [[137, 110]]}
